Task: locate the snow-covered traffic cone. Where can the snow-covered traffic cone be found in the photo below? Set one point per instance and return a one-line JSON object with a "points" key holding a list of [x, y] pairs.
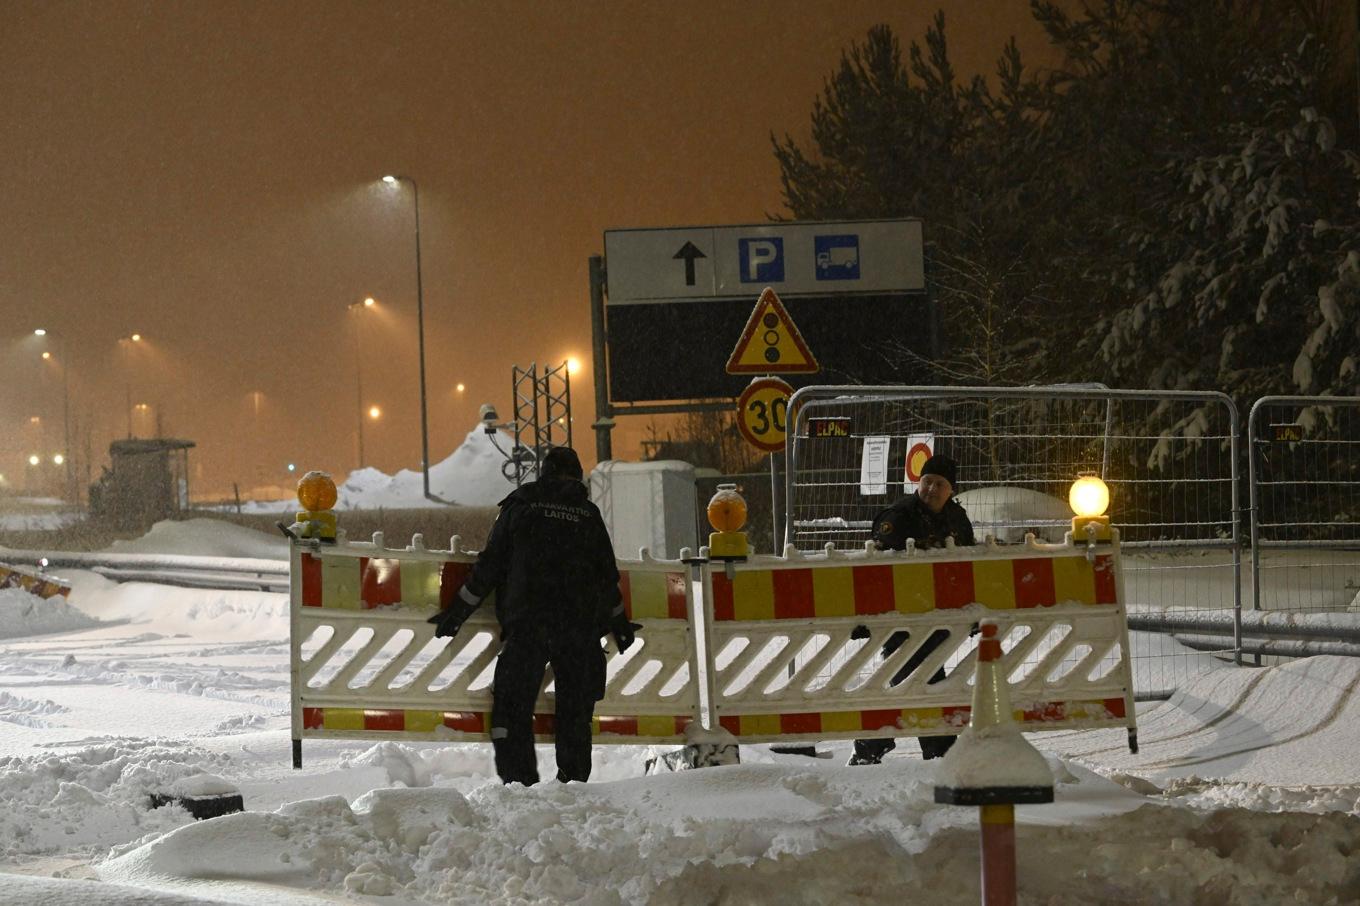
{"points": [[994, 767]]}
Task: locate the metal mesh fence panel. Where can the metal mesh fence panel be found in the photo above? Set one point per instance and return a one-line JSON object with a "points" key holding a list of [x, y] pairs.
{"points": [[1305, 493], [1168, 458]]}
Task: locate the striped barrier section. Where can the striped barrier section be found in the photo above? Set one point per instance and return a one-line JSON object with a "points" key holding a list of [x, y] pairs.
{"points": [[795, 644], [38, 585], [366, 664]]}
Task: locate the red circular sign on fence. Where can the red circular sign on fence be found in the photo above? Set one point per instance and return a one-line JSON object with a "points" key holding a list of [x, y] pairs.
{"points": [[916, 460]]}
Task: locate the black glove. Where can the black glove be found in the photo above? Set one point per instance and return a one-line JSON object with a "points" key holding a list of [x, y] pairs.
{"points": [[860, 632], [448, 622], [624, 632]]}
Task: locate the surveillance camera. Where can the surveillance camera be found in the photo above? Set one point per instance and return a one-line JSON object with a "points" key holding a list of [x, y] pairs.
{"points": [[488, 413]]}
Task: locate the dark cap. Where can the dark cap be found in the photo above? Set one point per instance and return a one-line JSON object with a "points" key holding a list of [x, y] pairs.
{"points": [[942, 466], [561, 462]]}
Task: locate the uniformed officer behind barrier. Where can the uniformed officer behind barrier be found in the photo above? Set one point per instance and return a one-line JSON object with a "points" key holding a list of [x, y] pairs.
{"points": [[551, 564], [929, 518]]}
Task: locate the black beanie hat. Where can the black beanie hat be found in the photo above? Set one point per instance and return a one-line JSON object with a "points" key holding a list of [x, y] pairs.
{"points": [[942, 466], [561, 462]]}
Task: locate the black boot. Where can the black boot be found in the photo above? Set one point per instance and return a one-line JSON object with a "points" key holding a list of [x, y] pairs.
{"points": [[871, 751]]}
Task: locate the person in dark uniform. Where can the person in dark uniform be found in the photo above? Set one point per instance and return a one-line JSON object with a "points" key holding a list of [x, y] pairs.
{"points": [[930, 517], [551, 564]]}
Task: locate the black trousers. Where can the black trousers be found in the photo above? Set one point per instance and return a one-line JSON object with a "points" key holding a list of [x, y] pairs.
{"points": [[578, 665], [873, 750]]}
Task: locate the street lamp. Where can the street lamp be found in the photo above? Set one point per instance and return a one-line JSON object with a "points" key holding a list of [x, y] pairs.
{"points": [[420, 334], [125, 343], [65, 364], [355, 310]]}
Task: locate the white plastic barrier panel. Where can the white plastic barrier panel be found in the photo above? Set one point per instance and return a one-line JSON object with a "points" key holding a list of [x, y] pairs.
{"points": [[366, 664], [782, 665]]}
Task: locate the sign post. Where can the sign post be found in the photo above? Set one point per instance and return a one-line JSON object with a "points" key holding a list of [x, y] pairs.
{"points": [[769, 343]]}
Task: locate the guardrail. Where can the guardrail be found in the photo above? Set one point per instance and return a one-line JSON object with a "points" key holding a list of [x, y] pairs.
{"points": [[232, 573]]}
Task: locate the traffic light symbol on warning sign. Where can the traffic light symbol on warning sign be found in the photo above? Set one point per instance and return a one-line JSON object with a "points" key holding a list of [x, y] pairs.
{"points": [[771, 343]]}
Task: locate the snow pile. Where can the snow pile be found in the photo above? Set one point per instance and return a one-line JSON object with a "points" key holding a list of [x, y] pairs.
{"points": [[205, 613], [205, 538], [92, 797], [1007, 513], [471, 476], [24, 614], [817, 834]]}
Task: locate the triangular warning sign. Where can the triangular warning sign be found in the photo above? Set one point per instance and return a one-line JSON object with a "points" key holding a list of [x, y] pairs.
{"points": [[771, 343]]}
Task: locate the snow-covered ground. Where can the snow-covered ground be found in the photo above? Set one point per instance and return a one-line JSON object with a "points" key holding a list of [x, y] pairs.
{"points": [[1245, 790]]}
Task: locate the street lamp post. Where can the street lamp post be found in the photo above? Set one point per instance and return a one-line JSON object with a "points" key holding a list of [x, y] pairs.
{"points": [[125, 343], [65, 366], [420, 335], [356, 309]]}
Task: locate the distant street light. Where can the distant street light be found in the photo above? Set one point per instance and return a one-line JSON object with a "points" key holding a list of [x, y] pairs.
{"points": [[355, 310], [374, 413], [34, 459], [420, 334], [461, 388], [65, 364]]}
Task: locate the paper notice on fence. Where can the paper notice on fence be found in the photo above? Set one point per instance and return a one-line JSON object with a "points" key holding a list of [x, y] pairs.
{"points": [[873, 466]]}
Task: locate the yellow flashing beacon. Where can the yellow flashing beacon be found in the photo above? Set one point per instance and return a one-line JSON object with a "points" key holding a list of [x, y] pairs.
{"points": [[727, 514]]}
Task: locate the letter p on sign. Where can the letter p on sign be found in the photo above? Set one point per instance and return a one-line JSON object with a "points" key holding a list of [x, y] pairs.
{"points": [[762, 260]]}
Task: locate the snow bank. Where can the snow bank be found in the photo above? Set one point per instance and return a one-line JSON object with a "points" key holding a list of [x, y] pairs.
{"points": [[23, 614], [205, 538], [816, 834], [471, 476], [88, 798], [202, 612]]}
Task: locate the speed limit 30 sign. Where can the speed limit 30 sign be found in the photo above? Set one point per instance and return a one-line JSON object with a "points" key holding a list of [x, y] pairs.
{"points": [[762, 413]]}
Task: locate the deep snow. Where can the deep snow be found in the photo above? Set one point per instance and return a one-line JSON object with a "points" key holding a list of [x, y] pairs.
{"points": [[1245, 791]]}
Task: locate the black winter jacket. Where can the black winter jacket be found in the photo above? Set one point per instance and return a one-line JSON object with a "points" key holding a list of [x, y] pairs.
{"points": [[549, 560], [910, 518]]}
